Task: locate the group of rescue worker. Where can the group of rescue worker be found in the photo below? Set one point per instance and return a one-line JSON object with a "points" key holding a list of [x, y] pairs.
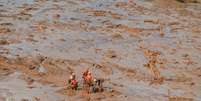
{"points": [[89, 83]]}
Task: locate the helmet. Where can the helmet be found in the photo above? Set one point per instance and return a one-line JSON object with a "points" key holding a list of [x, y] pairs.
{"points": [[95, 80]]}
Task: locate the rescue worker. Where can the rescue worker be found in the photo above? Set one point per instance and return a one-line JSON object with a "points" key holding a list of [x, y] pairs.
{"points": [[97, 86], [72, 76], [85, 73], [87, 77], [87, 81], [73, 82]]}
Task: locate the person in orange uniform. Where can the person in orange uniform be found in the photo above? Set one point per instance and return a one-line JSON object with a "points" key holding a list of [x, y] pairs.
{"points": [[87, 76]]}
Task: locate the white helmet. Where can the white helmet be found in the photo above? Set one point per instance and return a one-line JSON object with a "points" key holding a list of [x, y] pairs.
{"points": [[95, 80]]}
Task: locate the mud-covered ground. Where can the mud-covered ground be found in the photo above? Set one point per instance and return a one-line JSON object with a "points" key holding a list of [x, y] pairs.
{"points": [[145, 50]]}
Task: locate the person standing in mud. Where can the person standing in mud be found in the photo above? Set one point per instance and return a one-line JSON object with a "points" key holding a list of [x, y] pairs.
{"points": [[71, 77], [87, 80], [87, 77], [73, 82], [97, 86], [85, 74]]}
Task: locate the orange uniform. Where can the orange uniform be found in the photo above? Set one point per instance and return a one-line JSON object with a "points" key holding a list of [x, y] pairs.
{"points": [[88, 77]]}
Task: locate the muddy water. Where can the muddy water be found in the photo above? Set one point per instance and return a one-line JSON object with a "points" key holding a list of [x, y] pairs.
{"points": [[145, 49]]}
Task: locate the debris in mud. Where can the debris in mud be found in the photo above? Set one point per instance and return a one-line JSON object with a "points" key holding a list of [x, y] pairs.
{"points": [[4, 42], [4, 30], [99, 13], [124, 28], [152, 61], [57, 16], [130, 73], [125, 5], [29, 80], [95, 12], [153, 21], [32, 67], [180, 99], [111, 54], [37, 99], [5, 71], [4, 51], [196, 30], [115, 15], [39, 27], [188, 1], [161, 31], [117, 36], [113, 93], [24, 100], [105, 67], [24, 16], [6, 24], [41, 69], [133, 31], [180, 78], [31, 39]]}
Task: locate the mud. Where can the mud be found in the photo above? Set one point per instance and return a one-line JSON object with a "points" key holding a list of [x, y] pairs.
{"points": [[145, 50]]}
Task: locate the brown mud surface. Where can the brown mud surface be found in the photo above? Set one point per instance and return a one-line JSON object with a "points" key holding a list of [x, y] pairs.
{"points": [[145, 50]]}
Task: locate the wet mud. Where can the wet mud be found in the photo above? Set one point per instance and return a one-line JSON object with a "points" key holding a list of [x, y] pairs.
{"points": [[144, 50]]}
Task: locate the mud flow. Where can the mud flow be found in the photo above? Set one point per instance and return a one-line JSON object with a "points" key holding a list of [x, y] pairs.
{"points": [[141, 50]]}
